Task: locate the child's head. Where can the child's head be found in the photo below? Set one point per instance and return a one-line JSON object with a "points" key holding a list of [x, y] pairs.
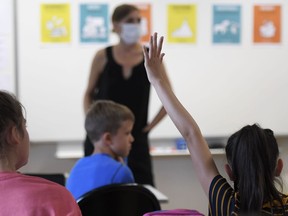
{"points": [[252, 154], [14, 137], [111, 122]]}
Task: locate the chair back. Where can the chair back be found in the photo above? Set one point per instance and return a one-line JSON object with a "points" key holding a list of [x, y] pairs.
{"points": [[119, 200], [54, 177], [175, 212]]}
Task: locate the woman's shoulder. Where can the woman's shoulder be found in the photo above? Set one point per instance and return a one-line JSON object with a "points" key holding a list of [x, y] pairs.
{"points": [[101, 53], [100, 58], [104, 50]]}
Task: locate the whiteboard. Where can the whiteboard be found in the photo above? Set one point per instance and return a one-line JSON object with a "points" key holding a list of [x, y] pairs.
{"points": [[7, 47], [224, 86]]}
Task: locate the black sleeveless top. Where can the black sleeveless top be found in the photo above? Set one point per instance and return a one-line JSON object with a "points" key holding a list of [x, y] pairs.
{"points": [[133, 91]]}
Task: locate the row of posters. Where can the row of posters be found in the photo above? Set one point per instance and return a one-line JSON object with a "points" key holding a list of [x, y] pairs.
{"points": [[181, 23], [94, 23]]}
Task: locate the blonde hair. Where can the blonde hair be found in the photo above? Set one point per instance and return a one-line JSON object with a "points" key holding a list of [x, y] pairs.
{"points": [[106, 116]]}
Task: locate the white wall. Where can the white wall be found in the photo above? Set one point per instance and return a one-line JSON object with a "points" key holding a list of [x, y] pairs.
{"points": [[224, 86], [208, 79], [7, 47]]}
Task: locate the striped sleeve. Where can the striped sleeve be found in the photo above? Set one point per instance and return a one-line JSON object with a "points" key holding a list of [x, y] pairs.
{"points": [[221, 201]]}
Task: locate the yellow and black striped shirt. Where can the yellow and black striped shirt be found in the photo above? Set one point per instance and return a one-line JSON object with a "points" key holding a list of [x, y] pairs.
{"points": [[223, 201]]}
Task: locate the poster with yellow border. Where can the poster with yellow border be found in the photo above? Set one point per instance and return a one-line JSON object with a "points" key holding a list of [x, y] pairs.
{"points": [[55, 23], [182, 23]]}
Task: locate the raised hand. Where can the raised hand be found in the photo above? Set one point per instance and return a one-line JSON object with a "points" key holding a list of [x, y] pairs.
{"points": [[202, 159], [154, 59]]}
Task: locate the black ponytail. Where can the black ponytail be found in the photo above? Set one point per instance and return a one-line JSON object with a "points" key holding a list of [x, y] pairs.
{"points": [[252, 153]]}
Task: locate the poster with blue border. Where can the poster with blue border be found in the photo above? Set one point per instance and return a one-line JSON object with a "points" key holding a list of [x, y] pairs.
{"points": [[226, 24], [94, 25]]}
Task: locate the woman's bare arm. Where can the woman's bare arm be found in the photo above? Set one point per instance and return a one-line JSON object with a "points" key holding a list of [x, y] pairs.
{"points": [[96, 69]]}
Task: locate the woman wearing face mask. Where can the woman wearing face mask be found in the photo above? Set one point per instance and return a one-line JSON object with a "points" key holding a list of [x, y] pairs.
{"points": [[118, 74]]}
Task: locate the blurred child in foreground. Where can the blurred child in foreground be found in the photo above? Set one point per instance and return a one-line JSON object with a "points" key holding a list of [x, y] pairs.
{"points": [[22, 194]]}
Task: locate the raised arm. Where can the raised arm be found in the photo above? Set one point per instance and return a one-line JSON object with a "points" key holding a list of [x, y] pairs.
{"points": [[202, 160], [159, 115]]}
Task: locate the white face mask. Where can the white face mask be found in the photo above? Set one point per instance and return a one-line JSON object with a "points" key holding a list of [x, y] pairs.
{"points": [[130, 33]]}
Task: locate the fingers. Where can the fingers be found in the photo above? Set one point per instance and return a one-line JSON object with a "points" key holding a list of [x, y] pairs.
{"points": [[145, 51], [151, 46], [162, 56], [155, 47], [160, 46], [155, 44]]}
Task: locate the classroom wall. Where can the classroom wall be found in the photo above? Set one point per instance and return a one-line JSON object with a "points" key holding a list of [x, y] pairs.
{"points": [[224, 86], [7, 47]]}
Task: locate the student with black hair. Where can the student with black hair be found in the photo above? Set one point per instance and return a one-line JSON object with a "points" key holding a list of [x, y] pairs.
{"points": [[252, 154]]}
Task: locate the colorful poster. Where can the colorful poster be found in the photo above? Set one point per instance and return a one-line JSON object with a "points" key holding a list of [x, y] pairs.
{"points": [[145, 9], [182, 23], [94, 21], [267, 24], [226, 23], [55, 23]]}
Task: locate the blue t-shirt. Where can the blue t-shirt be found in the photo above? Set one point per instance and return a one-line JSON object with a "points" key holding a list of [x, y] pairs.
{"points": [[95, 171]]}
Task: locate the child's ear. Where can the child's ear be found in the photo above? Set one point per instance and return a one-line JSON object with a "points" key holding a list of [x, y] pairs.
{"points": [[14, 136], [279, 167], [107, 138], [229, 172]]}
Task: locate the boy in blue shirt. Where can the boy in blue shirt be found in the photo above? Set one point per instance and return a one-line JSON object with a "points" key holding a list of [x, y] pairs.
{"points": [[108, 125]]}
